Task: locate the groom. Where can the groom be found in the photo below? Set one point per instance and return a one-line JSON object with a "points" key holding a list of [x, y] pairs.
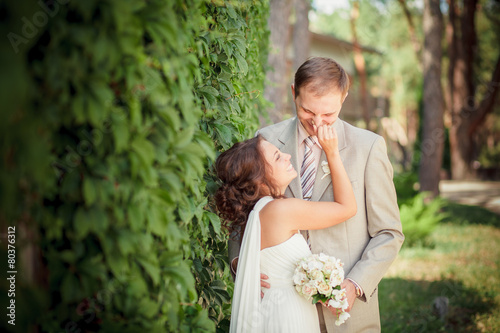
{"points": [[369, 242]]}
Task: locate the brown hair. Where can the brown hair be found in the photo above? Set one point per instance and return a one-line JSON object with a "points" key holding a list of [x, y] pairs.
{"points": [[319, 75], [242, 170]]}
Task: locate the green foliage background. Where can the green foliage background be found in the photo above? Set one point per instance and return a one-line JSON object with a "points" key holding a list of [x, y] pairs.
{"points": [[112, 113]]}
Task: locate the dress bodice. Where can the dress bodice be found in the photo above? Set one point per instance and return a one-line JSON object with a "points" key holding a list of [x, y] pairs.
{"points": [[278, 262]]}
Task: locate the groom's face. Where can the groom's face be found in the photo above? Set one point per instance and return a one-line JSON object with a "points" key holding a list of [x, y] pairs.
{"points": [[314, 110]]}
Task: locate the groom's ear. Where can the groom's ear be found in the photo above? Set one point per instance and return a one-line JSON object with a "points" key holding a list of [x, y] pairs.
{"points": [[347, 93], [293, 91]]}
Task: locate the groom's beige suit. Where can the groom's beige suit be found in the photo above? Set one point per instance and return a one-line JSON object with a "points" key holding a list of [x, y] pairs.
{"points": [[367, 243]]}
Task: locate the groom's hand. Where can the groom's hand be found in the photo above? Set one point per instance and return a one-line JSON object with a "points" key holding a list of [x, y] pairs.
{"points": [[264, 284], [350, 291]]}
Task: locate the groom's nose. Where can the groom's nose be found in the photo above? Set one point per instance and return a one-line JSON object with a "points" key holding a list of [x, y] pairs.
{"points": [[317, 120]]}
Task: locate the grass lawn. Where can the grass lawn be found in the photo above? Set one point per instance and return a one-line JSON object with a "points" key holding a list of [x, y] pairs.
{"points": [[461, 270]]}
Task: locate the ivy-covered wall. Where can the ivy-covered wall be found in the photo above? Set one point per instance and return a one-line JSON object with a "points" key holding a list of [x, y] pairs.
{"points": [[112, 113]]}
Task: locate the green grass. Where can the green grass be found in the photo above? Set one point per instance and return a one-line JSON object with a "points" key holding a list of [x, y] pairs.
{"points": [[462, 265]]}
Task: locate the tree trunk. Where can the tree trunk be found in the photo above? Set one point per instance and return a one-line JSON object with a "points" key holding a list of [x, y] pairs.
{"points": [[462, 91], [277, 88], [451, 40], [466, 114], [433, 123], [359, 63], [301, 38], [460, 145]]}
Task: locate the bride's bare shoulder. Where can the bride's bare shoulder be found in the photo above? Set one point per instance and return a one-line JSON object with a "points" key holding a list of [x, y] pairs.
{"points": [[280, 207]]}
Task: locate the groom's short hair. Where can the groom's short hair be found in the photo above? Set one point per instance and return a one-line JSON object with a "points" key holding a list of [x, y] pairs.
{"points": [[320, 75]]}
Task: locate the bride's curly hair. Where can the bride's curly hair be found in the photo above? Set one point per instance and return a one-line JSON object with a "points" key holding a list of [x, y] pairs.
{"points": [[243, 171]]}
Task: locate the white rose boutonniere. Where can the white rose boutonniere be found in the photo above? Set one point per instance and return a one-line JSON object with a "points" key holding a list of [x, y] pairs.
{"points": [[326, 169]]}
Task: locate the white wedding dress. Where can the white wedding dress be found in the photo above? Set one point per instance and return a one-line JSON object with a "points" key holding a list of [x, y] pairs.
{"points": [[282, 309]]}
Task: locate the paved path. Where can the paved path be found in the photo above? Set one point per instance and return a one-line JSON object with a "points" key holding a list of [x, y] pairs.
{"points": [[472, 192]]}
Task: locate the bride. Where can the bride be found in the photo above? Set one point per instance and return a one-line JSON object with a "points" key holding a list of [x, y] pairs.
{"points": [[255, 175]]}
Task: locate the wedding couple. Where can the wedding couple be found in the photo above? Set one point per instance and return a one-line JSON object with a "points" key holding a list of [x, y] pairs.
{"points": [[286, 193]]}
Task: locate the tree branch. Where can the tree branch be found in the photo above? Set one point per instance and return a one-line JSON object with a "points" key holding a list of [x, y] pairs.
{"points": [[411, 27], [486, 105]]}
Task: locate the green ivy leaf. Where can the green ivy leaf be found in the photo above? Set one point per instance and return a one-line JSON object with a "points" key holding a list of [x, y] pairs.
{"points": [[144, 149], [121, 135], [70, 288], [208, 90], [152, 269], [224, 133], [89, 191], [239, 41], [232, 12], [126, 242], [98, 219], [148, 308], [214, 221], [206, 144], [242, 63], [156, 224], [81, 223]]}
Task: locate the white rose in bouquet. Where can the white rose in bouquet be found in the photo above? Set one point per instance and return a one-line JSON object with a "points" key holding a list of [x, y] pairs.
{"points": [[325, 288], [300, 278], [328, 268], [309, 289], [336, 278], [314, 265], [317, 275], [323, 257]]}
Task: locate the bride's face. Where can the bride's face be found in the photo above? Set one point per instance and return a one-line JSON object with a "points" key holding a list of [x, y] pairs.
{"points": [[282, 170]]}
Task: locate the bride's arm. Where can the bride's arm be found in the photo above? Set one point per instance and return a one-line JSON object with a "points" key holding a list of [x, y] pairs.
{"points": [[308, 215]]}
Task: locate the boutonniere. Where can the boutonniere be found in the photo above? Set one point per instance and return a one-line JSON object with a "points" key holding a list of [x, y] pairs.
{"points": [[326, 169]]}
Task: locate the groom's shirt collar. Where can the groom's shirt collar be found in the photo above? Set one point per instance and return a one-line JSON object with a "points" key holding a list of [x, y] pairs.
{"points": [[301, 136]]}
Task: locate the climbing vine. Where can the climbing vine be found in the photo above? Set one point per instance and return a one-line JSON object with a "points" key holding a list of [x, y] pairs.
{"points": [[113, 114]]}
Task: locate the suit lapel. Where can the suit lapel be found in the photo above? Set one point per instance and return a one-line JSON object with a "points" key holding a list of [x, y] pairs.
{"points": [[321, 182], [288, 140]]}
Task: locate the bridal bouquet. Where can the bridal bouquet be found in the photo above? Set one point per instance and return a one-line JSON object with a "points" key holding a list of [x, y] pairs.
{"points": [[318, 277]]}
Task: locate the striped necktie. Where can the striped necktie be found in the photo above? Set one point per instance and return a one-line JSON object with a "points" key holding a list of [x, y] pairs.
{"points": [[308, 170]]}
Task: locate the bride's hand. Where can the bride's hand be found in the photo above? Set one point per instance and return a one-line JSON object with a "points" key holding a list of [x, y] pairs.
{"points": [[327, 137], [263, 283]]}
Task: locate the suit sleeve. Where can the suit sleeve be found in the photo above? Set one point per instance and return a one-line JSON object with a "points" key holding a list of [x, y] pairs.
{"points": [[383, 222]]}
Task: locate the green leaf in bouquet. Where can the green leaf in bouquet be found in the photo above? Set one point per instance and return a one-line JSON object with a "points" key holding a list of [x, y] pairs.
{"points": [[319, 297]]}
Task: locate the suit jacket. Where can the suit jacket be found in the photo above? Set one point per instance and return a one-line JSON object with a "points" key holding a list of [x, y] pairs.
{"points": [[367, 243]]}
